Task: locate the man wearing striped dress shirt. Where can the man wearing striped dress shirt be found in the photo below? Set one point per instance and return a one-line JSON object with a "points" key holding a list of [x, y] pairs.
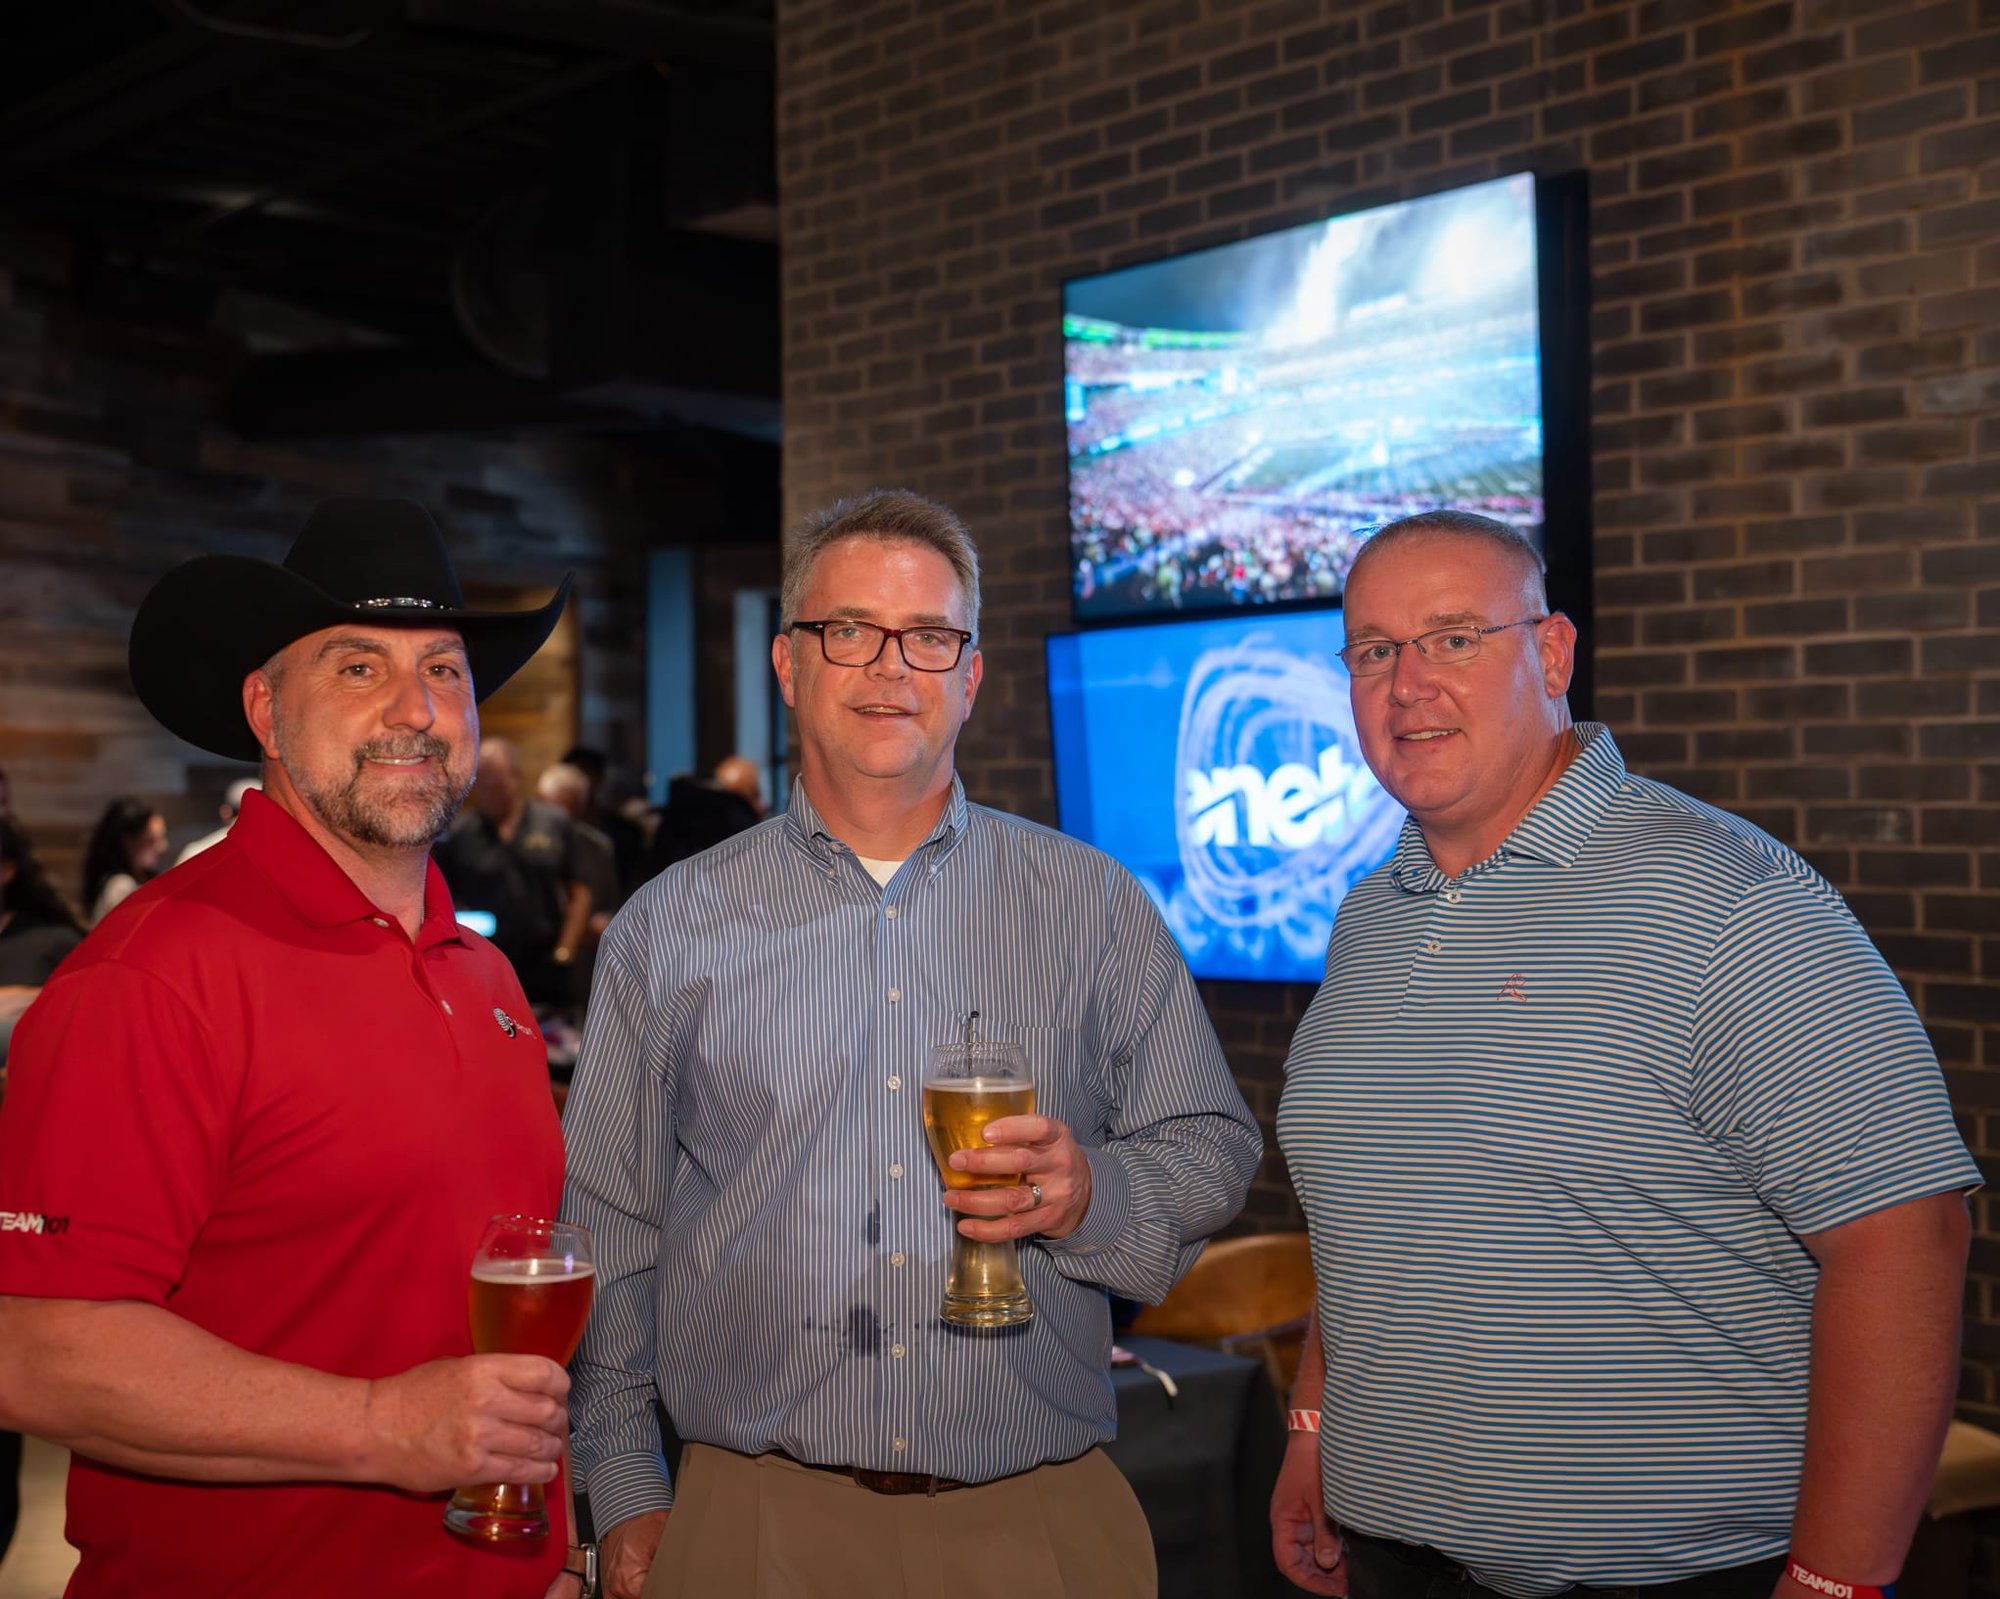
{"points": [[1636, 1203], [746, 1142]]}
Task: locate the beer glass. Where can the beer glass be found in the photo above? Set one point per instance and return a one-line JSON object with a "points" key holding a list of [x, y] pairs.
{"points": [[967, 1086], [530, 1295]]}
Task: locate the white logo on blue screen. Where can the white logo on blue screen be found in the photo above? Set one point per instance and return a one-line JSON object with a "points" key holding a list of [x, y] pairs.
{"points": [[1292, 808], [1277, 814]]}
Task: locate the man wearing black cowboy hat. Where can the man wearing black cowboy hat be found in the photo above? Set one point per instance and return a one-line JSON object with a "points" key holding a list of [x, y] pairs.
{"points": [[258, 1121]]}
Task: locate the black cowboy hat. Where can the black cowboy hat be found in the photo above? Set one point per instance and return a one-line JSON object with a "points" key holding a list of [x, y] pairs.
{"points": [[208, 624]]}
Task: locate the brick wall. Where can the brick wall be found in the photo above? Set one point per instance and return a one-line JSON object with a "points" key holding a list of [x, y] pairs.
{"points": [[1796, 225], [113, 468]]}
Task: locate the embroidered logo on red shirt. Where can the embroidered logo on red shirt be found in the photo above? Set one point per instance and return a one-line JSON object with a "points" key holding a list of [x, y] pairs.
{"points": [[29, 1221], [1515, 987], [507, 1023]]}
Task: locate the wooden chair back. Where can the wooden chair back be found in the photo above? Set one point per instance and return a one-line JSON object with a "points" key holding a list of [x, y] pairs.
{"points": [[1249, 1295]]}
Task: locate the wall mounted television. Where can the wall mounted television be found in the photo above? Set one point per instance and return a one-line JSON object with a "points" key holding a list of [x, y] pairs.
{"points": [[1238, 417], [1217, 760]]}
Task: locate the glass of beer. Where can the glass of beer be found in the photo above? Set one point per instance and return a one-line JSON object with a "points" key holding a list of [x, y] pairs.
{"points": [[967, 1086], [530, 1295]]}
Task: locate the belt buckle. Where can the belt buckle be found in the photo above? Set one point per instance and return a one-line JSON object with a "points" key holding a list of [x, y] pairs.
{"points": [[896, 1482]]}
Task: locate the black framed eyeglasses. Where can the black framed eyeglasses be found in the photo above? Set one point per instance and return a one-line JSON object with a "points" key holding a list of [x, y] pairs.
{"points": [[847, 642], [1442, 646]]}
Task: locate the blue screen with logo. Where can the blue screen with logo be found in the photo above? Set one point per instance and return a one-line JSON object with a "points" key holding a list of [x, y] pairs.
{"points": [[1218, 761]]}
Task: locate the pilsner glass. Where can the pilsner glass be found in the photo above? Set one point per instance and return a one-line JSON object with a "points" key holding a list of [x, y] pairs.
{"points": [[530, 1295], [967, 1086]]}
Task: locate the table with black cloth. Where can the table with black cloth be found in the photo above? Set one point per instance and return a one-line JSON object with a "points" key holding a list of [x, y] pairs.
{"points": [[1203, 1465]]}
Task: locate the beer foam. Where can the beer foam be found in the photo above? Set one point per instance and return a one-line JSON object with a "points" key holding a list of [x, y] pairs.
{"points": [[978, 1085], [513, 1271]]}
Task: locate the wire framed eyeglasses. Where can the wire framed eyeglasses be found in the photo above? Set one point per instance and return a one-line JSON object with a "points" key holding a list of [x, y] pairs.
{"points": [[1442, 646]]}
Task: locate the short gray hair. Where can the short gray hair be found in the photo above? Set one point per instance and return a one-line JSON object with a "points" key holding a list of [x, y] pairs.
{"points": [[1511, 541], [563, 779], [894, 515]]}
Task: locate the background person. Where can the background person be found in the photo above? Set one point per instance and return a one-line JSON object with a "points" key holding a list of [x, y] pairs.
{"points": [[738, 775], [517, 858], [126, 849], [567, 789], [38, 928], [616, 807], [232, 802], [703, 811], [1636, 1203]]}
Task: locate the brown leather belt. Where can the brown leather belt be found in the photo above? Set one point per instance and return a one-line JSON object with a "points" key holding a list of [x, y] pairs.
{"points": [[882, 1482]]}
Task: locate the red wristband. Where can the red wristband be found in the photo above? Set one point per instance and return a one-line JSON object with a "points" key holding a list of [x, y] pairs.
{"points": [[1302, 1421], [1806, 1577]]}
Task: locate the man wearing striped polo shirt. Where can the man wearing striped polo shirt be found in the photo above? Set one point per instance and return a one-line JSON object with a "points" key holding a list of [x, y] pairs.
{"points": [[748, 1146], [1636, 1203]]}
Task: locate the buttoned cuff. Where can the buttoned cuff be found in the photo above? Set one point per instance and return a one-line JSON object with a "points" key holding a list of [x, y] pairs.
{"points": [[1104, 1224], [626, 1486]]}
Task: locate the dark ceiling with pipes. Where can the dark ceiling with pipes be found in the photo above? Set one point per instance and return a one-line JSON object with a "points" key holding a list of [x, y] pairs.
{"points": [[488, 213]]}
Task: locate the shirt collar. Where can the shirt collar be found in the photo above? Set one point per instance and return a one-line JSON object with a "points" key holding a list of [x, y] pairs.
{"points": [[311, 882], [809, 830], [1556, 827]]}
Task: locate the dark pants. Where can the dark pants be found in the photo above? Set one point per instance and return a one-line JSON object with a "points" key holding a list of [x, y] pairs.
{"points": [[1380, 1569]]}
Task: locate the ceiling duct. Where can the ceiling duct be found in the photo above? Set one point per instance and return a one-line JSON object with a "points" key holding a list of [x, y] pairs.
{"points": [[500, 285]]}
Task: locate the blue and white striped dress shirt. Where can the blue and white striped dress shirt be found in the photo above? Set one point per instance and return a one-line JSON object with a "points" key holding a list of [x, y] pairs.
{"points": [[1556, 1124], [746, 1144]]}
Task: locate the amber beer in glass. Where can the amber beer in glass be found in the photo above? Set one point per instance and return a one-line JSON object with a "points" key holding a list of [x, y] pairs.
{"points": [[967, 1086], [530, 1295]]}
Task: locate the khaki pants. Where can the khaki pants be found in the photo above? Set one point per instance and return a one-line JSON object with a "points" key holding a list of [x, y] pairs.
{"points": [[761, 1527]]}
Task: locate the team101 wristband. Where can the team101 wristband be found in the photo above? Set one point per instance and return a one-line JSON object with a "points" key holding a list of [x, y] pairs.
{"points": [[1806, 1577], [1302, 1421]]}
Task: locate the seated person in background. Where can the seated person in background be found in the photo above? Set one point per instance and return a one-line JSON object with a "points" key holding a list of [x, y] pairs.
{"points": [[517, 858], [232, 802], [126, 849]]}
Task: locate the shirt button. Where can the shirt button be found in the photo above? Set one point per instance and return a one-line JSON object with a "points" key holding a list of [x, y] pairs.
{"points": [[379, 921], [890, 913], [1453, 895], [899, 1446], [1432, 946], [894, 995], [897, 1258], [447, 1006], [897, 1350], [895, 1082], [896, 1170]]}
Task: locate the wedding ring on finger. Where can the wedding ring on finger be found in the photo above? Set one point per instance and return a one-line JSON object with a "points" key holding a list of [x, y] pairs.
{"points": [[1036, 1190]]}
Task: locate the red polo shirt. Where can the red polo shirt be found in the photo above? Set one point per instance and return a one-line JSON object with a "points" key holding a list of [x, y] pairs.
{"points": [[250, 1098]]}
